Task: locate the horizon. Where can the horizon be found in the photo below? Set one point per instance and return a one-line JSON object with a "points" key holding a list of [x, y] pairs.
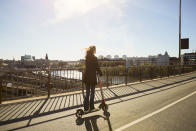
{"points": [[112, 57], [64, 28]]}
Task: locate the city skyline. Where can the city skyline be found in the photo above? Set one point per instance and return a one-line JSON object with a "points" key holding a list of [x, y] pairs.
{"points": [[64, 28], [99, 57]]}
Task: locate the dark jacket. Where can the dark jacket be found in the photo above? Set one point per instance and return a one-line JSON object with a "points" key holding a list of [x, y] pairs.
{"points": [[92, 68]]}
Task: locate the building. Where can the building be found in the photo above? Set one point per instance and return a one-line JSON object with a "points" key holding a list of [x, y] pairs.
{"points": [[163, 60], [137, 61], [27, 58], [124, 57], [40, 63], [189, 58], [116, 57], [158, 60], [72, 63], [28, 61], [108, 57], [173, 61], [100, 57], [1, 61]]}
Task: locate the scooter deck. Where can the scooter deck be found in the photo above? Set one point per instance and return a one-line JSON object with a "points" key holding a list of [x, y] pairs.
{"points": [[81, 112], [91, 111]]}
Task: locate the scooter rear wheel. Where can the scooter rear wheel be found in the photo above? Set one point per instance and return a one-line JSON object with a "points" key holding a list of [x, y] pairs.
{"points": [[79, 113]]}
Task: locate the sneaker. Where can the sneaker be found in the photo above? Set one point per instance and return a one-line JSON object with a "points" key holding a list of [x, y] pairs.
{"points": [[92, 108], [86, 110]]}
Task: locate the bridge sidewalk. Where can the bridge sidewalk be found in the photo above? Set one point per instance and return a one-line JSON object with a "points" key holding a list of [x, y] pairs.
{"points": [[25, 110]]}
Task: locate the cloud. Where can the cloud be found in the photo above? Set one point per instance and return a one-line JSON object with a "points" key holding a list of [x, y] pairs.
{"points": [[68, 9]]}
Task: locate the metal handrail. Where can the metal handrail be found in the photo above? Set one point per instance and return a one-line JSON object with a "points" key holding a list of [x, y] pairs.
{"points": [[36, 82]]}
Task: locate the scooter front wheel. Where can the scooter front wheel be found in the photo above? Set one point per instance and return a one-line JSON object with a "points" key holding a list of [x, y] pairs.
{"points": [[104, 107], [79, 113]]}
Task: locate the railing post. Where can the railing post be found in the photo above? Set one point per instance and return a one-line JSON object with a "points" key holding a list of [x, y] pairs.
{"points": [[1, 86], [168, 71], [107, 84], [192, 68], [0, 89], [140, 75], [83, 83], [171, 70], [49, 77], [151, 73], [180, 69], [183, 69], [82, 79], [125, 76], [160, 72]]}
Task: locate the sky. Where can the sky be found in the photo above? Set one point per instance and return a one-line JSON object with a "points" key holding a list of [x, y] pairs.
{"points": [[65, 28]]}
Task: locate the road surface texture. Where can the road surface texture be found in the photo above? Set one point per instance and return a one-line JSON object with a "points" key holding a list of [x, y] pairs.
{"points": [[167, 104]]}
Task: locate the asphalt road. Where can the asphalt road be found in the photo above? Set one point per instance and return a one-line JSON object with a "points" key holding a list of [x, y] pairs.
{"points": [[134, 111]]}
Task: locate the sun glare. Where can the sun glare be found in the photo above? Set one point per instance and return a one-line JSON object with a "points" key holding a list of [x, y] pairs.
{"points": [[69, 8]]}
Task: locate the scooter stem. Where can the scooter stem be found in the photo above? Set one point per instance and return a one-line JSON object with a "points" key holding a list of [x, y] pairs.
{"points": [[100, 85]]}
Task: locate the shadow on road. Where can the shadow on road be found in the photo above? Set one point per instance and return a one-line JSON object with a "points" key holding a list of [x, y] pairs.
{"points": [[28, 110], [91, 122]]}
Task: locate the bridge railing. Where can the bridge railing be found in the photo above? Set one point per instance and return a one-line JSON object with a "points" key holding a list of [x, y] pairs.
{"points": [[23, 83], [122, 75]]}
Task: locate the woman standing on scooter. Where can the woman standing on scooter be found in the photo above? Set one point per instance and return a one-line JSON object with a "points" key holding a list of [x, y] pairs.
{"points": [[89, 78]]}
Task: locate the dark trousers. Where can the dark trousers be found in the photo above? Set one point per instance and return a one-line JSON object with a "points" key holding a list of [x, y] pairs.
{"points": [[90, 92]]}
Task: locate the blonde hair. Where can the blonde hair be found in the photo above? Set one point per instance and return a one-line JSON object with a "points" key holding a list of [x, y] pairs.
{"points": [[90, 51]]}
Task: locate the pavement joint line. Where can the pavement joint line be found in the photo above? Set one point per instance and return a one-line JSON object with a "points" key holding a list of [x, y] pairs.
{"points": [[154, 113]]}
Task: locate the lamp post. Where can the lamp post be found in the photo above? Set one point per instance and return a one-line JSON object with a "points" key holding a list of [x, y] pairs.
{"points": [[180, 33]]}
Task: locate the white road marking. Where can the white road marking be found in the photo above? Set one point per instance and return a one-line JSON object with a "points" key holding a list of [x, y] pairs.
{"points": [[153, 113]]}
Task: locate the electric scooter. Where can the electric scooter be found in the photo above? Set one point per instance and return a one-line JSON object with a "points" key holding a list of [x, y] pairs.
{"points": [[103, 105]]}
